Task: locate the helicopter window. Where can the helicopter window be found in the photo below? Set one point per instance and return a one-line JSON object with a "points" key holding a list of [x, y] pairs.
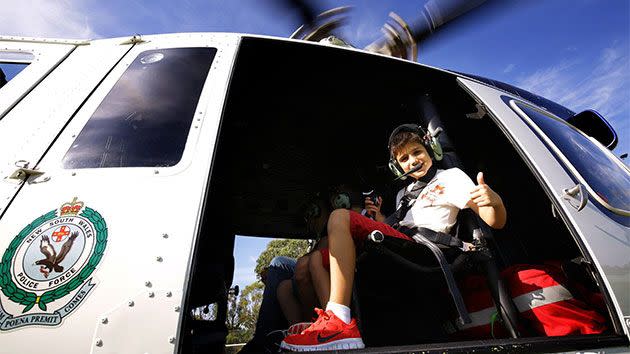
{"points": [[145, 119], [606, 178], [9, 70], [12, 63]]}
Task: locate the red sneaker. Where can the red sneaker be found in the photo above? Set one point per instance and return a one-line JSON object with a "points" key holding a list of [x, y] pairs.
{"points": [[327, 333]]}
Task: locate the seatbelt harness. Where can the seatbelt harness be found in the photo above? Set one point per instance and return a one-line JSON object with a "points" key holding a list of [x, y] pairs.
{"points": [[407, 200], [437, 237]]}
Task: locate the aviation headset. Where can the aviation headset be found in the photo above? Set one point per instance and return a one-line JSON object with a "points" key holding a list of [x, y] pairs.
{"points": [[429, 141]]}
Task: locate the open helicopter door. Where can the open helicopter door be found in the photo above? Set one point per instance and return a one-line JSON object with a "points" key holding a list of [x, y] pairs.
{"points": [[37, 103], [98, 253], [583, 181]]}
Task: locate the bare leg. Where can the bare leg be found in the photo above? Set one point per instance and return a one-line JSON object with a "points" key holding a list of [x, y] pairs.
{"points": [[288, 303], [321, 278], [305, 290], [342, 257]]}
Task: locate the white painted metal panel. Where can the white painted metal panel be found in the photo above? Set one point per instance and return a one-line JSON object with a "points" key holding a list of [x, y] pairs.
{"points": [[28, 129], [152, 217], [602, 237], [45, 56]]}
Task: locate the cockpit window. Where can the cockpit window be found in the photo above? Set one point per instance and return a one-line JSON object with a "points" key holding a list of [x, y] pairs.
{"points": [[11, 64], [145, 119], [606, 178], [8, 71]]}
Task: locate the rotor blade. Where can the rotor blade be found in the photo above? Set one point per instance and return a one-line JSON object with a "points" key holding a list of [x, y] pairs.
{"points": [[436, 15], [323, 25], [304, 9]]}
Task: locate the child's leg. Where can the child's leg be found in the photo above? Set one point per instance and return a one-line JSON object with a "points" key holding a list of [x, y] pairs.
{"points": [[320, 277], [342, 257], [335, 329], [303, 287], [288, 303]]}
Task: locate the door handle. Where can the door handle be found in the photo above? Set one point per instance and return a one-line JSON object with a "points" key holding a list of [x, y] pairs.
{"points": [[577, 196], [24, 173]]}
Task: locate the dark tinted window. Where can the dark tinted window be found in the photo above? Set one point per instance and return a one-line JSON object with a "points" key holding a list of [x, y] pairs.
{"points": [[608, 178], [145, 119]]}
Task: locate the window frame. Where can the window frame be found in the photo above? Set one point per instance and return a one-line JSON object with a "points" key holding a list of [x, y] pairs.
{"points": [[16, 57], [514, 104], [194, 119], [46, 57], [212, 94]]}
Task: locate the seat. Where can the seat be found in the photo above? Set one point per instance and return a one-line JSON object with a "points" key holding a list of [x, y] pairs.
{"points": [[410, 275], [407, 279]]}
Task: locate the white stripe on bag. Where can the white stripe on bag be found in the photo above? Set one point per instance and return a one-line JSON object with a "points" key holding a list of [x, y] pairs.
{"points": [[525, 302]]}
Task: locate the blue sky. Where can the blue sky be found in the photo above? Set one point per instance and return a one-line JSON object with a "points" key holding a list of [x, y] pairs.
{"points": [[575, 52], [246, 250]]}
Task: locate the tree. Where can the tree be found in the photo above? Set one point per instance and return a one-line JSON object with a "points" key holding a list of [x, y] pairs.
{"points": [[243, 310], [289, 248], [250, 304]]}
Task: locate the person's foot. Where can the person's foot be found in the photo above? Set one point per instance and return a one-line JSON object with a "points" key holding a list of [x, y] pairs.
{"points": [[327, 333]]}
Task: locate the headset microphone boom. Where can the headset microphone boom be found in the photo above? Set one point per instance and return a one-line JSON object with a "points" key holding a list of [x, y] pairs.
{"points": [[404, 175]]}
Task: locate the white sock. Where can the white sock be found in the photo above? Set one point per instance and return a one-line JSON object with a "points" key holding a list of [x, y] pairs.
{"points": [[341, 311]]}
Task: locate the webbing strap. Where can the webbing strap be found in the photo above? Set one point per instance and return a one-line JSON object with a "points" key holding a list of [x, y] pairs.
{"points": [[458, 301], [405, 204], [433, 236]]}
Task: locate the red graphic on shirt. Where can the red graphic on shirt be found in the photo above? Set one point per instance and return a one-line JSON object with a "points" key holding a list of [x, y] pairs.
{"points": [[60, 233], [432, 193]]}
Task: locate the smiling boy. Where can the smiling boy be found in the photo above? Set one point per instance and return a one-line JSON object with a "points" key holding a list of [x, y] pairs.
{"points": [[443, 193]]}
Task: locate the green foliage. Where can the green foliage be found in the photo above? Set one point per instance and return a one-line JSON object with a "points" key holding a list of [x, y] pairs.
{"points": [[243, 313], [249, 303], [243, 310], [289, 248]]}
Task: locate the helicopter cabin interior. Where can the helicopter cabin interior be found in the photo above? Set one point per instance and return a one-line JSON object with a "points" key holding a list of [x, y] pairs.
{"points": [[300, 118]]}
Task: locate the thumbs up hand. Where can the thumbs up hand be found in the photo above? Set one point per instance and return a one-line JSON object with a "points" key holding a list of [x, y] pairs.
{"points": [[480, 178], [483, 195]]}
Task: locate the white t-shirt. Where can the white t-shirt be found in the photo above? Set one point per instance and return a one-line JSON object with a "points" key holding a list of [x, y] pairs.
{"points": [[439, 202]]}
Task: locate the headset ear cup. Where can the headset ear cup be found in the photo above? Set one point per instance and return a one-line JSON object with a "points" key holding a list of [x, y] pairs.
{"points": [[438, 154], [396, 170]]}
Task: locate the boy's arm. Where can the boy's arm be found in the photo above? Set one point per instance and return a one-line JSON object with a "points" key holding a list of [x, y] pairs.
{"points": [[487, 204]]}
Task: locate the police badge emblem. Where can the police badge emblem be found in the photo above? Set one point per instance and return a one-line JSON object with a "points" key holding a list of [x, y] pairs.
{"points": [[48, 266]]}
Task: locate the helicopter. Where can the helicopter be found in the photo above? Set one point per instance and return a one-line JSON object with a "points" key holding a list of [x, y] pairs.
{"points": [[144, 156]]}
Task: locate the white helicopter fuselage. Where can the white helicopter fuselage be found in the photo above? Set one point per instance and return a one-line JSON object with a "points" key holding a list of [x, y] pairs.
{"points": [[122, 284]]}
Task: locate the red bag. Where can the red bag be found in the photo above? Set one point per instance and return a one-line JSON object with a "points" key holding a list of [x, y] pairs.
{"points": [[545, 304], [481, 310]]}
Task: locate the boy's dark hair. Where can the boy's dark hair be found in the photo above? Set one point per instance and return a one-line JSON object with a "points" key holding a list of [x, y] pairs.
{"points": [[403, 138]]}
